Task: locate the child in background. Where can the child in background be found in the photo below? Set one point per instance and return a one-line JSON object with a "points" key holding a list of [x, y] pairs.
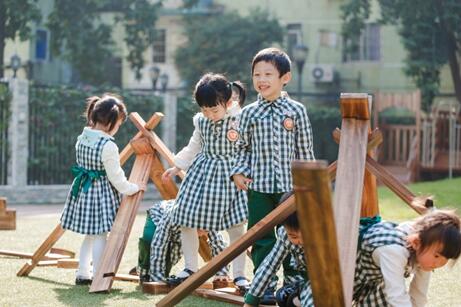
{"points": [[274, 131], [93, 201], [388, 253], [165, 244], [295, 293], [207, 200]]}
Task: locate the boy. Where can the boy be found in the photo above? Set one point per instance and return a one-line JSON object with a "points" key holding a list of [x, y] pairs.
{"points": [[274, 130], [289, 242]]}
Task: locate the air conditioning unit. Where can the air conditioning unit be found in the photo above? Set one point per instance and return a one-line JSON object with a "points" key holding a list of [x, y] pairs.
{"points": [[322, 73]]}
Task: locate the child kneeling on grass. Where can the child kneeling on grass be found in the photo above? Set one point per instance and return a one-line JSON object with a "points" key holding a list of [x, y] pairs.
{"points": [[160, 245]]}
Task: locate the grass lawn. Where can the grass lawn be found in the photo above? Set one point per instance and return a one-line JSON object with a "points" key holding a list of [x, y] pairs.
{"points": [[55, 287]]}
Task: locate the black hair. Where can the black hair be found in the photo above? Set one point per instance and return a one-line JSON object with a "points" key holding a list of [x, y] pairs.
{"points": [[277, 57], [106, 110], [214, 89], [291, 221], [440, 226]]}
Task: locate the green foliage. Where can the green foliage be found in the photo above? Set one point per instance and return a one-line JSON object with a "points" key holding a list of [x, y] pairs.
{"points": [[426, 28], [56, 119], [5, 98], [225, 43], [82, 37], [16, 17]]}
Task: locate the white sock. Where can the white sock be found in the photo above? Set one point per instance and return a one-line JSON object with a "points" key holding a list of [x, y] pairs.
{"points": [[190, 246], [99, 244], [238, 264], [84, 264]]}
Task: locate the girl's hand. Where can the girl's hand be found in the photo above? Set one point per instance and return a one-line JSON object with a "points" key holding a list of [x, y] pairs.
{"points": [[241, 182], [142, 186], [170, 173]]}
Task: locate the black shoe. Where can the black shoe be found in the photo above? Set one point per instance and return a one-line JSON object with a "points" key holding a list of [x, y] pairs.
{"points": [[82, 281], [134, 271], [242, 284], [286, 294], [175, 280], [268, 297]]}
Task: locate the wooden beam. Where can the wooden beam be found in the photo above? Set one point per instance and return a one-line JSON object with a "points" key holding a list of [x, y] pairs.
{"points": [[48, 256], [349, 179], [116, 243], [150, 125], [274, 218], [41, 251], [311, 184]]}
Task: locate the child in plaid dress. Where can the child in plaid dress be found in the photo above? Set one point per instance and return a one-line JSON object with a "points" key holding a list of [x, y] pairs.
{"points": [[207, 199], [297, 290], [274, 131], [388, 253], [93, 201], [160, 246]]}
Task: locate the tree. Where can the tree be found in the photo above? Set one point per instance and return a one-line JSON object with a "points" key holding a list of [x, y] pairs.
{"points": [[15, 18], [84, 39], [225, 43], [430, 31]]}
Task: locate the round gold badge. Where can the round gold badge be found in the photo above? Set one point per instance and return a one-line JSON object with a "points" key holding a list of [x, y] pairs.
{"points": [[288, 123]]}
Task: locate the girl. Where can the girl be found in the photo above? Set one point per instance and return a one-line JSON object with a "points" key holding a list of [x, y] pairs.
{"points": [[93, 201], [207, 199], [388, 253]]}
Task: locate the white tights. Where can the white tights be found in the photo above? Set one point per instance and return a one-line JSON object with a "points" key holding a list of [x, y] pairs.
{"points": [[190, 247], [92, 245]]}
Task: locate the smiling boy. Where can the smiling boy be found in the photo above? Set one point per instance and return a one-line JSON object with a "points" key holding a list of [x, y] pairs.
{"points": [[274, 130]]}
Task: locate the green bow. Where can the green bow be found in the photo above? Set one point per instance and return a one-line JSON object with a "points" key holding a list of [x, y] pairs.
{"points": [[367, 222], [84, 177]]}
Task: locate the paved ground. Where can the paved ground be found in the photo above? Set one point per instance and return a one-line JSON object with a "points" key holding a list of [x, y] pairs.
{"points": [[24, 210]]}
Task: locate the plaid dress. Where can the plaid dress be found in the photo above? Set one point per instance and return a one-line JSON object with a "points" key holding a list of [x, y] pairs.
{"points": [[166, 243], [271, 264], [93, 212], [207, 198], [368, 280], [272, 134]]}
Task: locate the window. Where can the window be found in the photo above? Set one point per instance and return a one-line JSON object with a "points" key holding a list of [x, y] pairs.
{"points": [[294, 37], [369, 45], [159, 46], [41, 45], [327, 38]]}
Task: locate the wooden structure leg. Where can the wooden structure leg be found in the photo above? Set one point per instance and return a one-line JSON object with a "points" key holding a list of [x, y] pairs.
{"points": [[7, 216], [112, 255], [311, 184], [41, 251], [348, 194]]}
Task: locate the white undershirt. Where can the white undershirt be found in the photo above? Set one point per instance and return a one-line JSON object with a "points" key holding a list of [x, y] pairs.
{"points": [[392, 260]]}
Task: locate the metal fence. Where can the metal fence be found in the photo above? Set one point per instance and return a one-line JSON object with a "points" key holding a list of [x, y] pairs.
{"points": [[55, 121], [5, 98]]}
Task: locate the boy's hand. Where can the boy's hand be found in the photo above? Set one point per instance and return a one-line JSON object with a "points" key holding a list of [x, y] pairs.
{"points": [[170, 173], [241, 182]]}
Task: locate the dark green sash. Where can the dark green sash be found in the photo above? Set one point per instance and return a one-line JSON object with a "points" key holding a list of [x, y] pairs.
{"points": [[84, 177], [366, 223]]}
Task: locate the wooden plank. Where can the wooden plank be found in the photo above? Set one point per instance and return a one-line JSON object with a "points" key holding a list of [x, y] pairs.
{"points": [[8, 220], [274, 218], [155, 141], [47, 263], [126, 277], [155, 287], [348, 193], [48, 256], [2, 204], [151, 124], [220, 296], [113, 252], [68, 263], [311, 183], [61, 251], [41, 251]]}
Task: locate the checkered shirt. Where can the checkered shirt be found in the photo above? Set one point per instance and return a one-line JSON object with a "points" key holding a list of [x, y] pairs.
{"points": [[268, 143], [271, 264], [368, 280], [207, 199], [166, 243], [93, 212]]}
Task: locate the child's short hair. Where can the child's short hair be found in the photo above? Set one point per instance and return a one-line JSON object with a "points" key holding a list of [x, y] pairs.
{"points": [[214, 89], [106, 110], [291, 221], [275, 56], [440, 226]]}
